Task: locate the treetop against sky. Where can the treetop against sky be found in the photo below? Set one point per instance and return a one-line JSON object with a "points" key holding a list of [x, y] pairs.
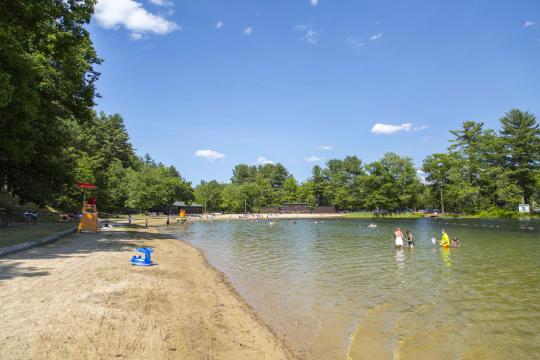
{"points": [[204, 85]]}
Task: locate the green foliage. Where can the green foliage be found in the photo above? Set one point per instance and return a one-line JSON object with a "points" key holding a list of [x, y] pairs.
{"points": [[51, 138], [392, 184], [155, 187], [46, 84], [209, 194], [521, 140], [496, 212], [483, 170]]}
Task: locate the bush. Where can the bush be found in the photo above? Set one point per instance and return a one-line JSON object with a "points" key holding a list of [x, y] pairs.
{"points": [[497, 212]]}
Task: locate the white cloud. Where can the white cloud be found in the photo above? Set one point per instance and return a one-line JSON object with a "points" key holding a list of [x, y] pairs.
{"points": [[313, 159], [421, 127], [388, 129], [326, 147], [136, 36], [112, 14], [375, 37], [422, 175], [310, 35], [529, 23], [264, 161], [209, 154], [162, 2], [314, 2], [355, 42], [219, 25], [248, 30]]}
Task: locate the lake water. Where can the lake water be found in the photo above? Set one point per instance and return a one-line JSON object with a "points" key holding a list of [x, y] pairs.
{"points": [[337, 289]]}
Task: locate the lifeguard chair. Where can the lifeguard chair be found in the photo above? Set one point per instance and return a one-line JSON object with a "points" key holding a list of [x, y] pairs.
{"points": [[89, 218]]}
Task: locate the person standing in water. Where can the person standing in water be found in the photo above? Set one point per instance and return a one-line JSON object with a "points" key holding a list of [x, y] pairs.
{"points": [[410, 238], [445, 240], [398, 236]]}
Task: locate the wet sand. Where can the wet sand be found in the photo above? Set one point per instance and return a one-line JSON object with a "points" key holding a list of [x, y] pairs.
{"points": [[80, 298]]}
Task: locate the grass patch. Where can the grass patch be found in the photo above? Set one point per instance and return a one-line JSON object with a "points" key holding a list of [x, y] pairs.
{"points": [[12, 210], [21, 233]]}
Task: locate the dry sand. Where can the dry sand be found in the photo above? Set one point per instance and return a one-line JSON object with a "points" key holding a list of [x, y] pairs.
{"points": [[273, 216], [81, 299]]}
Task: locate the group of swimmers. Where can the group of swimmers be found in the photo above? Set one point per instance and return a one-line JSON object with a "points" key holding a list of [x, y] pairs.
{"points": [[444, 242]]}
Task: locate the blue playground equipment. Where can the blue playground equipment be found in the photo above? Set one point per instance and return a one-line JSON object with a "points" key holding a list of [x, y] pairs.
{"points": [[146, 261]]}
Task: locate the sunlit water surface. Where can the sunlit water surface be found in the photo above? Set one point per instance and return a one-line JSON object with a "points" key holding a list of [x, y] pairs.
{"points": [[333, 289]]}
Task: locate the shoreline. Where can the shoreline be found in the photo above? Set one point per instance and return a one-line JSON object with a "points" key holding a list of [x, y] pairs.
{"points": [[80, 297]]}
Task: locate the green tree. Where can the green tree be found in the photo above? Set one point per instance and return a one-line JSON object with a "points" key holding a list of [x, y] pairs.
{"points": [[47, 81], [437, 168], [342, 178], [521, 138], [318, 186], [239, 198], [243, 174], [290, 190], [156, 187], [209, 194]]}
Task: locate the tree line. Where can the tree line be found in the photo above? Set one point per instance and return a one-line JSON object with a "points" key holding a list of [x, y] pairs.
{"points": [[51, 138], [482, 170]]}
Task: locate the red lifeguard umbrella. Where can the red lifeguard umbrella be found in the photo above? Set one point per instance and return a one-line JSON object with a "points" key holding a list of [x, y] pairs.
{"points": [[84, 185]]}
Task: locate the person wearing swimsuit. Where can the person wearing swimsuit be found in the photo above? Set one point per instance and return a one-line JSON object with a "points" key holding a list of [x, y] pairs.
{"points": [[398, 236], [410, 238]]}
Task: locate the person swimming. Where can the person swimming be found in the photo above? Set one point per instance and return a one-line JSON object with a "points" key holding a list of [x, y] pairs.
{"points": [[410, 238], [455, 242], [398, 236]]}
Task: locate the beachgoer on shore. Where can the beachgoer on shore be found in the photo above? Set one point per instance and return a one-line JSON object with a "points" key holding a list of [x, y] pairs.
{"points": [[398, 236], [129, 219], [410, 238], [445, 240]]}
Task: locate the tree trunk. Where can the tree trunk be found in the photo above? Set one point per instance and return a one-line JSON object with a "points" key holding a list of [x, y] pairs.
{"points": [[442, 201]]}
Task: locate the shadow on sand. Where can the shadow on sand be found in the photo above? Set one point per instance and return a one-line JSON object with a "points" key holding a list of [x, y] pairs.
{"points": [[82, 245]]}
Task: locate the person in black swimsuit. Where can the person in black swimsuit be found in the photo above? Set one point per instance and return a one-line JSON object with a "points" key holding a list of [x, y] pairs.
{"points": [[410, 239]]}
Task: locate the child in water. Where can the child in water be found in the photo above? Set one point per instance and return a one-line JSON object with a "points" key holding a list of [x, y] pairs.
{"points": [[455, 242], [398, 236], [410, 239]]}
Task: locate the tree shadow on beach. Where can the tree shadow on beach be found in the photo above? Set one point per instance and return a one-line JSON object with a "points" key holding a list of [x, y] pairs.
{"points": [[16, 269], [83, 245]]}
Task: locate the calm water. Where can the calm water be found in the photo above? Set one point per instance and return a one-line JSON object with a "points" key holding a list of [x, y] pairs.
{"points": [[334, 289]]}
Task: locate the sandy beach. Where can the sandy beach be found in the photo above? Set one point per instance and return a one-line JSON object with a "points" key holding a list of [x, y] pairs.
{"points": [[80, 298], [273, 216]]}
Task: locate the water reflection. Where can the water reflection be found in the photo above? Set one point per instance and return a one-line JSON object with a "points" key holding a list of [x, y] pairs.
{"points": [[445, 256], [400, 260]]}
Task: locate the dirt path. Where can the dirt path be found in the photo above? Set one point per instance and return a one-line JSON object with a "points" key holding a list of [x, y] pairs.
{"points": [[80, 299]]}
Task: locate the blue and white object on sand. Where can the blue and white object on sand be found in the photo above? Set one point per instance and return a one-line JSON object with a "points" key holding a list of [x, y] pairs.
{"points": [[146, 261]]}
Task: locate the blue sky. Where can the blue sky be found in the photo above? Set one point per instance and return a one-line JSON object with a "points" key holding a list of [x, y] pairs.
{"points": [[303, 81]]}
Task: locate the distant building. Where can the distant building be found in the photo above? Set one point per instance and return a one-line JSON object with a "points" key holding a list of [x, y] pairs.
{"points": [[190, 209], [295, 208], [324, 210], [269, 210]]}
